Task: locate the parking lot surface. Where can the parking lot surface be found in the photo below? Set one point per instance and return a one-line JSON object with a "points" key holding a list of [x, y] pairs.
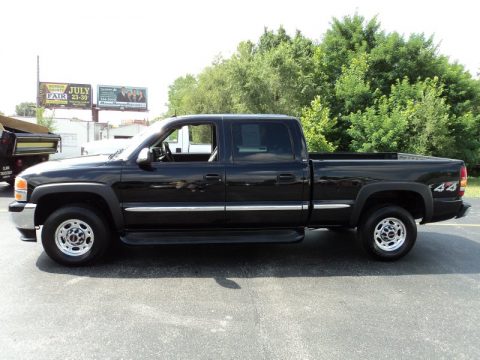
{"points": [[319, 299]]}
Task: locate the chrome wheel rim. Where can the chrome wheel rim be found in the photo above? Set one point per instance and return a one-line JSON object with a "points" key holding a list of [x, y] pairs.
{"points": [[390, 234], [74, 237]]}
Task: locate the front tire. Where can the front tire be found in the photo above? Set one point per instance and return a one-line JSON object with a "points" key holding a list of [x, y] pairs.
{"points": [[388, 233], [75, 235]]}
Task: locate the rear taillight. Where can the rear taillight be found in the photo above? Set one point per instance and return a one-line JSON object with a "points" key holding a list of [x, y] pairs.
{"points": [[463, 181]]}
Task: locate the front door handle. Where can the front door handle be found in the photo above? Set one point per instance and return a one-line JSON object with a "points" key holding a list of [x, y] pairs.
{"points": [[213, 177], [285, 178]]}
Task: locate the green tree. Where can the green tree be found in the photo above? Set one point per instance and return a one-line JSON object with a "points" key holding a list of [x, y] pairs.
{"points": [[47, 121], [352, 88], [389, 57], [25, 109], [274, 75], [212, 94], [379, 128], [180, 93], [466, 131], [317, 125], [345, 39], [270, 40], [413, 118]]}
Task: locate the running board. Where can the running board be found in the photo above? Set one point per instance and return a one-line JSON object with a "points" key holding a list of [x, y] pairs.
{"points": [[213, 237]]}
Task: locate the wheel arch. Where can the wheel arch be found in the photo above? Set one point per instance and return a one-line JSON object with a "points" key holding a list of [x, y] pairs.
{"points": [[414, 197], [50, 196]]}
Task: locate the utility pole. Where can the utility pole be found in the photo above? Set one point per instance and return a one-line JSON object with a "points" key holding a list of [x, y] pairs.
{"points": [[94, 113], [38, 82]]}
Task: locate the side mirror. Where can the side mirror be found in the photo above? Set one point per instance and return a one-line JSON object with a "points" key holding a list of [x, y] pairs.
{"points": [[144, 157]]}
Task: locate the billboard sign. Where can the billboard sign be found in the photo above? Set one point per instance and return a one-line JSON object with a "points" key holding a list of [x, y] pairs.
{"points": [[65, 96], [130, 98]]}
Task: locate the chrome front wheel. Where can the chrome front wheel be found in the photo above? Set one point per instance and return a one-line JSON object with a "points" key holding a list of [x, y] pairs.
{"points": [[74, 237]]}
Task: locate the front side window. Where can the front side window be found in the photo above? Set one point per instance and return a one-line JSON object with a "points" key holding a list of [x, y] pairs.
{"points": [[200, 134], [173, 137], [261, 142], [189, 143]]}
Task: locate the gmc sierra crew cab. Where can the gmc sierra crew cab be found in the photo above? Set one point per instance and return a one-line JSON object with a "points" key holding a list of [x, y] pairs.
{"points": [[257, 185]]}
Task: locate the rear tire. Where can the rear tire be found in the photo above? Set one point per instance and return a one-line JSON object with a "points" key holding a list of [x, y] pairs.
{"points": [[388, 233], [75, 235]]}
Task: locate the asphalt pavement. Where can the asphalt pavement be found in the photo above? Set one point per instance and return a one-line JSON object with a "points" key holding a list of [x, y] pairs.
{"points": [[319, 299]]}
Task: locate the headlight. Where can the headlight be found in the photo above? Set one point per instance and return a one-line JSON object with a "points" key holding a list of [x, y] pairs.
{"points": [[20, 189]]}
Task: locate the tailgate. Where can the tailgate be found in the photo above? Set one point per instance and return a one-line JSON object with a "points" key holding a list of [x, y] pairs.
{"points": [[33, 144]]}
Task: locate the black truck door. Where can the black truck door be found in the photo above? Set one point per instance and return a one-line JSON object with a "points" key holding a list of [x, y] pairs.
{"points": [[186, 193], [266, 181]]}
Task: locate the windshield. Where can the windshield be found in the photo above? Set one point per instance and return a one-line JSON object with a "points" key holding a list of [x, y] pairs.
{"points": [[137, 140]]}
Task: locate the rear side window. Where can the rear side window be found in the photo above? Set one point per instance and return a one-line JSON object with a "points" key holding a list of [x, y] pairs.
{"points": [[261, 142]]}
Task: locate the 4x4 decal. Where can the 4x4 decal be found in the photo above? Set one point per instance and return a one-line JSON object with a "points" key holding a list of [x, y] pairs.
{"points": [[445, 186]]}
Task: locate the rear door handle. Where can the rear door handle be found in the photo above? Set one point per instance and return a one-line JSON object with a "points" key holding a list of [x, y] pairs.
{"points": [[212, 177], [282, 178]]}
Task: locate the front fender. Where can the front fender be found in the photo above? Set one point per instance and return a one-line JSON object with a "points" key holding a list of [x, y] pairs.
{"points": [[102, 190]]}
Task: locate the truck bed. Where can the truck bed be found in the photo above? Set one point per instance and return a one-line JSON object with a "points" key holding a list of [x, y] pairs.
{"points": [[339, 178]]}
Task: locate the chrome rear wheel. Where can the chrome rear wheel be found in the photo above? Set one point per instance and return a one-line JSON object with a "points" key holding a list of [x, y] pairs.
{"points": [[387, 233], [390, 234]]}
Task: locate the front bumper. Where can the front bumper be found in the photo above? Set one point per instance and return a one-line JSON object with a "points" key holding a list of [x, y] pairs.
{"points": [[23, 216]]}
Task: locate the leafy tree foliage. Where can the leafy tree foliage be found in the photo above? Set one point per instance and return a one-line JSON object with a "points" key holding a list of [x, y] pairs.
{"points": [[179, 93], [25, 109], [352, 88], [359, 89], [317, 125], [47, 121], [414, 118]]}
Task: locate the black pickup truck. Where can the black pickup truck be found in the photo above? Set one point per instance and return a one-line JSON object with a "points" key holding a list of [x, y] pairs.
{"points": [[256, 184]]}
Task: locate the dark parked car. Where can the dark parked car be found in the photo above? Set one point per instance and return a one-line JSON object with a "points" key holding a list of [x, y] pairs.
{"points": [[258, 185]]}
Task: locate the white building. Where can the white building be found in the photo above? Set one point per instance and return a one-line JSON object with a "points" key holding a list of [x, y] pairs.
{"points": [[76, 132]]}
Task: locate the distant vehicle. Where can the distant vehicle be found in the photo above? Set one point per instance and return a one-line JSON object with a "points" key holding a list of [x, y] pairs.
{"points": [[181, 141], [23, 144], [104, 147], [258, 184]]}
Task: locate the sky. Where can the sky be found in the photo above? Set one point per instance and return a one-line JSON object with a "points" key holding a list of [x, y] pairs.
{"points": [[151, 43]]}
